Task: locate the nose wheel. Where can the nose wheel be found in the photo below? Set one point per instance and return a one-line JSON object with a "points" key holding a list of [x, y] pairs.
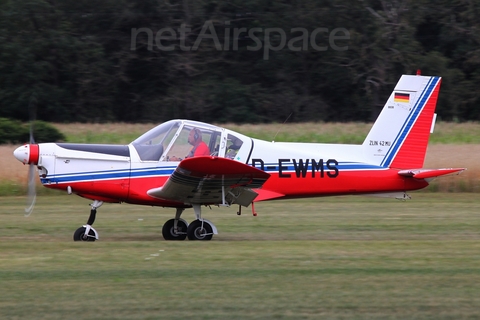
{"points": [[87, 232], [81, 234]]}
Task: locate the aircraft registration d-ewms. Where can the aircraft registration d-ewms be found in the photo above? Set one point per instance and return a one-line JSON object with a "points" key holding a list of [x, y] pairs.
{"points": [[188, 164]]}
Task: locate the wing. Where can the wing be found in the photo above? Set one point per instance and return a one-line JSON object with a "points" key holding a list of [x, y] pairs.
{"points": [[429, 173], [212, 180]]}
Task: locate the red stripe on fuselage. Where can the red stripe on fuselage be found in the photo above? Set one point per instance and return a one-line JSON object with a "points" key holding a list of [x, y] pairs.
{"points": [[132, 191], [114, 190], [347, 182]]}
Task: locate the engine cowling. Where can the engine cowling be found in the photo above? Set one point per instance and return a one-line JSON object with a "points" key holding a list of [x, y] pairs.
{"points": [[27, 154]]}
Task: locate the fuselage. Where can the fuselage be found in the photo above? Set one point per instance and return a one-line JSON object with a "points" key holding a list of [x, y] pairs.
{"points": [[113, 173]]}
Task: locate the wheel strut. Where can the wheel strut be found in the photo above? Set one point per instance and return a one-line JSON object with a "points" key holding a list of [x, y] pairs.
{"points": [[93, 212], [91, 218], [178, 213]]}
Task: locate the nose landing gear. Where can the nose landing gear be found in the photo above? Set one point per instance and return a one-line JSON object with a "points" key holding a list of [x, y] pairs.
{"points": [[87, 232]]}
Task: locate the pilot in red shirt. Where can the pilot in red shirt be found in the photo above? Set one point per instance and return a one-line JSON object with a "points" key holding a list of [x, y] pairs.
{"points": [[199, 148]]}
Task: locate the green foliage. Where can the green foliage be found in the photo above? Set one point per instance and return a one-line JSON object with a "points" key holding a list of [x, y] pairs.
{"points": [[11, 131], [14, 132], [83, 61], [45, 132]]}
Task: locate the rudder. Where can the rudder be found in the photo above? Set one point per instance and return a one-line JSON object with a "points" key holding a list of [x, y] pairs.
{"points": [[399, 137]]}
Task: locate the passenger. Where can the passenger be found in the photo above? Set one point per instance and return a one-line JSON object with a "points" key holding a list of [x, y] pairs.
{"points": [[233, 148]]}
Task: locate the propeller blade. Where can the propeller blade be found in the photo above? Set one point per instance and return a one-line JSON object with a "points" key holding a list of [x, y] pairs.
{"points": [[32, 109], [32, 140], [32, 192]]}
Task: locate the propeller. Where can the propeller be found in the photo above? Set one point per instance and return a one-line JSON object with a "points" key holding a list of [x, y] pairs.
{"points": [[32, 188], [32, 191]]}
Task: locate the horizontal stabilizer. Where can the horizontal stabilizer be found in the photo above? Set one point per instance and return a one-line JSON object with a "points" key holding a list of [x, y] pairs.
{"points": [[429, 173]]}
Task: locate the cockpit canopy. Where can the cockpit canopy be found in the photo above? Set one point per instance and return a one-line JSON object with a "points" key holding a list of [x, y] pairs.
{"points": [[169, 141]]}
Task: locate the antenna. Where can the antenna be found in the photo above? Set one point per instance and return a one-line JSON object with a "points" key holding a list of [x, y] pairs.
{"points": [[282, 123]]}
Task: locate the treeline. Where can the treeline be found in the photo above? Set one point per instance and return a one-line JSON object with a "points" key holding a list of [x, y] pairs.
{"points": [[15, 132], [232, 61]]}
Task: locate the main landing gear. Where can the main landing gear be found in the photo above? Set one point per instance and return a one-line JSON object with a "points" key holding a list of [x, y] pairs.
{"points": [[173, 229], [86, 232], [179, 229]]}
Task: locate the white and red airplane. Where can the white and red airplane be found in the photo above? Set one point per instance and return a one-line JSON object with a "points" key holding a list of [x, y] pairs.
{"points": [[183, 164]]}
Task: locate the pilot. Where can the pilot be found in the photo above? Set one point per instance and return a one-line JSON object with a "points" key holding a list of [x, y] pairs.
{"points": [[199, 148]]}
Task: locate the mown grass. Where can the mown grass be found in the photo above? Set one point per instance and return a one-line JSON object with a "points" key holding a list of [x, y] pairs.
{"points": [[333, 258]]}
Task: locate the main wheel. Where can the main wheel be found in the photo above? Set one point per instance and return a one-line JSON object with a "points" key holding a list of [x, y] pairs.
{"points": [[79, 235], [196, 231], [169, 233]]}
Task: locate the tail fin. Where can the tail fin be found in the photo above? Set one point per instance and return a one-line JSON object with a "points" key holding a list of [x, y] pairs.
{"points": [[399, 137]]}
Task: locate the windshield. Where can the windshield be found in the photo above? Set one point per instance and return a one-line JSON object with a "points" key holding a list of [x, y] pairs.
{"points": [[150, 145], [194, 141]]}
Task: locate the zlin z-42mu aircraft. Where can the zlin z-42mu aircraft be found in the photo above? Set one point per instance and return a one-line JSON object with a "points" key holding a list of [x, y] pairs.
{"points": [[184, 164]]}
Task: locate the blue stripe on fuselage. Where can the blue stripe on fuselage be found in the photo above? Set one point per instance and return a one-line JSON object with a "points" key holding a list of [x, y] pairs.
{"points": [[107, 175], [152, 172]]}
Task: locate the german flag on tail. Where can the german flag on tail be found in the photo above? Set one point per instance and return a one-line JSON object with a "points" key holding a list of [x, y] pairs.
{"points": [[401, 97]]}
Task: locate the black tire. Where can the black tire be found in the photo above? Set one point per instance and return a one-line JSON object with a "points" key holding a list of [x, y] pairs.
{"points": [[169, 234], [196, 232], [80, 232]]}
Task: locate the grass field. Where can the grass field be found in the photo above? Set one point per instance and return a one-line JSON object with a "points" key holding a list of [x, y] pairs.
{"points": [[330, 258], [123, 133]]}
